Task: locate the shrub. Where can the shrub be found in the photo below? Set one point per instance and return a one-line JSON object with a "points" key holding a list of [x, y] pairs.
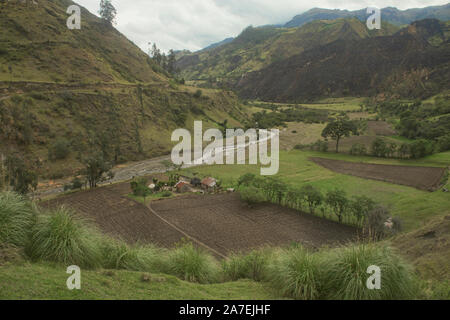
{"points": [[59, 149], [345, 274], [17, 216], [253, 265], [358, 149], [119, 255], [63, 237], [192, 264], [379, 148], [297, 274], [251, 196], [166, 194], [312, 197], [198, 93], [420, 149]]}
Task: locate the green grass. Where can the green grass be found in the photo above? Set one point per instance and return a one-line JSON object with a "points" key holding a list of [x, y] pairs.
{"points": [[345, 274], [48, 281], [297, 274], [16, 218], [192, 264], [413, 206], [62, 236]]}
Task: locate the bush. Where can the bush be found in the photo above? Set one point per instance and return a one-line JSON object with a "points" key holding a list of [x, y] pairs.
{"points": [[17, 216], [191, 264], [379, 148], [252, 196], [345, 274], [119, 255], [198, 93], [358, 149], [61, 236], [297, 274], [420, 149], [59, 149], [166, 194], [253, 265]]}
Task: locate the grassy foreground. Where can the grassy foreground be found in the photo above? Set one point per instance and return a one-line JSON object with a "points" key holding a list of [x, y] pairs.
{"points": [[48, 281]]}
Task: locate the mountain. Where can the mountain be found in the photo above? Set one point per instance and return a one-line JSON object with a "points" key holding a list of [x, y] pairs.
{"points": [[87, 90], [389, 14], [218, 44], [413, 63], [257, 48]]}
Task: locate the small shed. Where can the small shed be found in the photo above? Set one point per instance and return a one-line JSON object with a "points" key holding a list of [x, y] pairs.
{"points": [[209, 184], [183, 187]]}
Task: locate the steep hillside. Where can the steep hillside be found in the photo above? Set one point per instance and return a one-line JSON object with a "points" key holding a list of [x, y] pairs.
{"points": [[256, 48], [38, 46], [412, 63], [389, 14], [88, 90]]}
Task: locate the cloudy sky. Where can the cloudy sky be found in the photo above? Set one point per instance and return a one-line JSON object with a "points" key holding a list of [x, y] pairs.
{"points": [[194, 24]]}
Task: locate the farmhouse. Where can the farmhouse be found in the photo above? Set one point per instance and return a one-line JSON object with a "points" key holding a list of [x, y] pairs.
{"points": [[209, 184]]}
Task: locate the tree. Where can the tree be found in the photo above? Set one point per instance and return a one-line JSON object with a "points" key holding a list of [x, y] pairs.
{"points": [[392, 149], [140, 188], [59, 149], [338, 202], [338, 129], [96, 166], [361, 206], [404, 150], [312, 196], [107, 11], [251, 196], [379, 148], [171, 63], [19, 176]]}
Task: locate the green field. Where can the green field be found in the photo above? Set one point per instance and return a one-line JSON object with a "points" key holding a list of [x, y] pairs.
{"points": [[414, 207]]}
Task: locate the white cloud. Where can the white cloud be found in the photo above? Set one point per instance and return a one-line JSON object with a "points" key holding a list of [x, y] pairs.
{"points": [[194, 24]]}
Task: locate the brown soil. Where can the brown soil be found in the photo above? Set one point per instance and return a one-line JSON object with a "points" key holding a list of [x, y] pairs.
{"points": [[220, 223], [226, 224], [117, 215], [423, 178]]}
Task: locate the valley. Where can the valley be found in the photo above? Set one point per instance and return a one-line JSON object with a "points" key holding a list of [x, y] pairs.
{"points": [[87, 178]]}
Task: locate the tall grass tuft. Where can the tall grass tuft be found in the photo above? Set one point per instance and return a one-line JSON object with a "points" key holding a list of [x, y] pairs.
{"points": [[296, 273], [63, 237], [17, 216], [119, 255], [192, 264], [253, 265], [345, 273]]}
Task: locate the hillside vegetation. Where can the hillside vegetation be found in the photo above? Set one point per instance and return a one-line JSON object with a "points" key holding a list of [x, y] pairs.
{"points": [[412, 63], [65, 94], [256, 48]]}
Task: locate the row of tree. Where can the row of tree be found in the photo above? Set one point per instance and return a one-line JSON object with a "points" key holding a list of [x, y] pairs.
{"points": [[360, 211], [382, 149], [166, 62]]}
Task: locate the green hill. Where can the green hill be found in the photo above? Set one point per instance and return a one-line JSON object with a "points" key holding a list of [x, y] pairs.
{"points": [[256, 48], [92, 88]]}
